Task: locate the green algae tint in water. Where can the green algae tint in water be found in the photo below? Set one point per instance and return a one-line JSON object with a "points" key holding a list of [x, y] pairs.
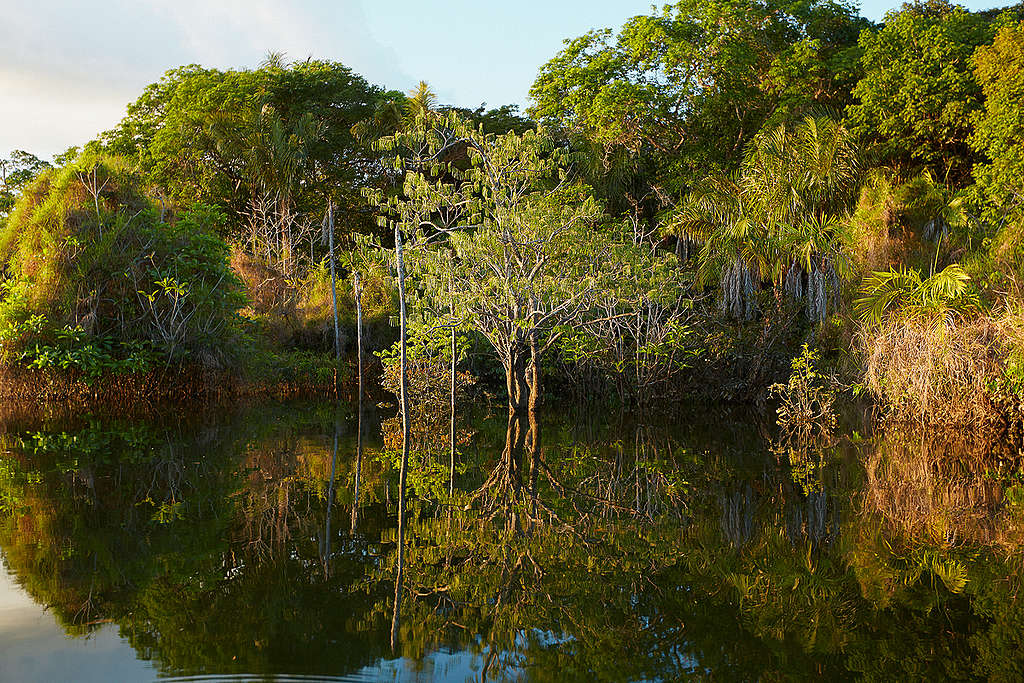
{"points": [[230, 544]]}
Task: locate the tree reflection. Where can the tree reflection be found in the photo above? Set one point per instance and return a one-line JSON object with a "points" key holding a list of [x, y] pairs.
{"points": [[606, 550]]}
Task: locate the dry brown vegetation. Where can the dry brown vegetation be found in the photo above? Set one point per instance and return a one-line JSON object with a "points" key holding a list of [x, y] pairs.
{"points": [[179, 384], [944, 371], [882, 239]]}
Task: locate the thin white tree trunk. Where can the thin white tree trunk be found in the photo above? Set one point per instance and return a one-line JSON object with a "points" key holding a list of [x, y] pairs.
{"points": [[334, 282], [404, 398], [451, 434], [358, 286]]}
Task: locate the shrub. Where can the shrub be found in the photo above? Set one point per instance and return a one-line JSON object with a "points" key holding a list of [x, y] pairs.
{"points": [[90, 264]]}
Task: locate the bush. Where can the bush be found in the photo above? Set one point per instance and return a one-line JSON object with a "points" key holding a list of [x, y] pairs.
{"points": [[94, 276]]}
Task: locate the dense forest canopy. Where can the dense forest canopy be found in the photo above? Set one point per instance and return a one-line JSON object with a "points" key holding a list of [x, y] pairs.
{"points": [[687, 200]]}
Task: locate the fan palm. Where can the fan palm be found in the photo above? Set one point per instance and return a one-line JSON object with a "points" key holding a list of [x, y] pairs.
{"points": [[903, 290]]}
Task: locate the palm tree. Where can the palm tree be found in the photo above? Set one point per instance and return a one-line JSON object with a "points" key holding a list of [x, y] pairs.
{"points": [[904, 291], [274, 156], [393, 115], [817, 249], [940, 209], [781, 218], [719, 216]]}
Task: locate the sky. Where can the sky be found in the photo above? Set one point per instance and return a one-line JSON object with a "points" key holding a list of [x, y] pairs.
{"points": [[69, 68]]}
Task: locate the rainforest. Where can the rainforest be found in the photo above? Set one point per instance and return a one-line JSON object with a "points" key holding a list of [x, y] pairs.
{"points": [[707, 363]]}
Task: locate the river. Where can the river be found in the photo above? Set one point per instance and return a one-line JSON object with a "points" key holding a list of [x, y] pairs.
{"points": [[258, 542]]}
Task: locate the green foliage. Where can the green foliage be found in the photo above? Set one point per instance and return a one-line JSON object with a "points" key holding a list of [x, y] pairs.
{"points": [[15, 173], [641, 334], [999, 126], [903, 292], [918, 93], [938, 211], [806, 401], [215, 137], [691, 84], [93, 357], [96, 281], [780, 217]]}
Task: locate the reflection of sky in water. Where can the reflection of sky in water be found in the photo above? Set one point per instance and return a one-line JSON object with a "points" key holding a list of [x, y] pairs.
{"points": [[34, 648]]}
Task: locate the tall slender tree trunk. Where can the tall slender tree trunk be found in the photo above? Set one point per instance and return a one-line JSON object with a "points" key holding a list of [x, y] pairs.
{"points": [[334, 282], [359, 465], [404, 398], [358, 287], [451, 432], [330, 502]]}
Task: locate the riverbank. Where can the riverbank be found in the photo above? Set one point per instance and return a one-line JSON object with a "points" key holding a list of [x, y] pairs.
{"points": [[301, 376]]}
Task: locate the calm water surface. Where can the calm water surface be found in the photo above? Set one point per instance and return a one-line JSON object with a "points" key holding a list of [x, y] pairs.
{"points": [[259, 543]]}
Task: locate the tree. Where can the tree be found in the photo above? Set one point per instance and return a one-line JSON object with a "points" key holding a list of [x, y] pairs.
{"points": [[529, 271], [15, 173], [781, 218], [175, 131], [523, 250], [999, 125], [690, 86], [918, 93]]}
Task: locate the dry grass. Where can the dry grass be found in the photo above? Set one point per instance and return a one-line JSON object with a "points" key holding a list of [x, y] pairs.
{"points": [[128, 391], [882, 240], [941, 372], [300, 313], [270, 296]]}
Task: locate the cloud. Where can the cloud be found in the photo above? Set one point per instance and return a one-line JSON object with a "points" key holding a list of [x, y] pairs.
{"points": [[46, 116], [67, 70]]}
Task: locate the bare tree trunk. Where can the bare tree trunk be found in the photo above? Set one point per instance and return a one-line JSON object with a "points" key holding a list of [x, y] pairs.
{"points": [[359, 464], [451, 433], [516, 379], [285, 231], [404, 391], [334, 282], [358, 287]]}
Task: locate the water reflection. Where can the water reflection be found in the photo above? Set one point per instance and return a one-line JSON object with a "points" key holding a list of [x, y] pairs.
{"points": [[569, 549]]}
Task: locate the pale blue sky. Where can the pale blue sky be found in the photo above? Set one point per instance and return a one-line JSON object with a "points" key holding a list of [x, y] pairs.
{"points": [[68, 68]]}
